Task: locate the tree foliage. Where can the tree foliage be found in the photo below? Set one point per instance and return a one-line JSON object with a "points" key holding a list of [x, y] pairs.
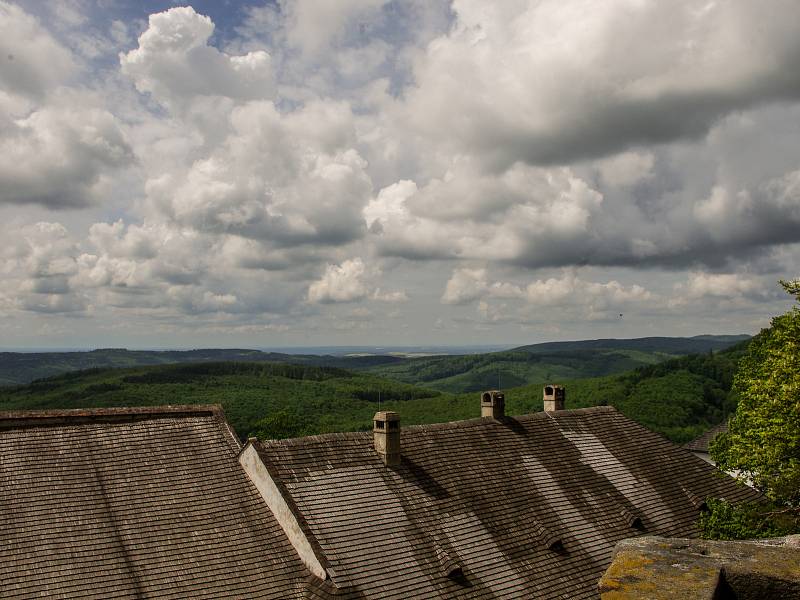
{"points": [[727, 521], [763, 440], [282, 424]]}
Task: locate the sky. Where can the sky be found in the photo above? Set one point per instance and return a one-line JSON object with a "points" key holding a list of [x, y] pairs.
{"points": [[355, 172]]}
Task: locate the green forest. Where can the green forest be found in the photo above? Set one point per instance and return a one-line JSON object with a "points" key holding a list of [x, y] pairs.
{"points": [[550, 361], [679, 398], [452, 373]]}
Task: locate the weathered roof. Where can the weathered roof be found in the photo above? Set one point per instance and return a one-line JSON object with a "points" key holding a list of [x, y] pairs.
{"points": [[134, 503], [702, 442], [530, 506]]}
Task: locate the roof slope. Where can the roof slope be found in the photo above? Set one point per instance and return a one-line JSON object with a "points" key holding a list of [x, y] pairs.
{"points": [[702, 442], [134, 503], [525, 507]]}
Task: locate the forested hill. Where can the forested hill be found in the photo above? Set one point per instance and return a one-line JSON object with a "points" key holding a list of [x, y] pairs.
{"points": [[667, 345], [550, 361], [24, 367], [314, 399], [452, 373], [679, 398]]}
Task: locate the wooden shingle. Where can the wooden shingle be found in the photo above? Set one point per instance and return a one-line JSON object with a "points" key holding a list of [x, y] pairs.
{"points": [[526, 507], [134, 503]]}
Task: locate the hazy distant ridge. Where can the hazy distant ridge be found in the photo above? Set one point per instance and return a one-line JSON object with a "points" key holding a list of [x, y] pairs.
{"points": [[457, 373], [671, 345], [24, 367]]}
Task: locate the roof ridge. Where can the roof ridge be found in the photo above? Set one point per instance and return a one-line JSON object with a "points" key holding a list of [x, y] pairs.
{"points": [[67, 416], [463, 423]]}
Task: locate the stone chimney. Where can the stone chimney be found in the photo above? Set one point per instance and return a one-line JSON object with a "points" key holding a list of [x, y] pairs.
{"points": [[386, 432], [493, 404], [555, 397]]}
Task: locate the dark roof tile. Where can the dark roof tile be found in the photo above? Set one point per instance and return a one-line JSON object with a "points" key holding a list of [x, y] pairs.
{"points": [[527, 507], [702, 442], [133, 503]]}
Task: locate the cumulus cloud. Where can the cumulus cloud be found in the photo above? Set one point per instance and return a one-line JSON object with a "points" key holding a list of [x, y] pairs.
{"points": [[465, 285], [344, 48], [58, 145], [340, 283], [61, 157], [570, 289], [468, 285], [626, 169], [32, 62], [193, 300], [538, 164], [39, 263], [174, 62], [634, 209], [766, 213], [289, 179], [717, 286], [313, 24], [551, 81], [393, 297], [528, 212]]}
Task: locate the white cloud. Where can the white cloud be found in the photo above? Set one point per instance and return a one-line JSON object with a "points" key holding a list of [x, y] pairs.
{"points": [[626, 168], [394, 297], [525, 214], [193, 300], [340, 283], [568, 290], [465, 285], [175, 63], [720, 285], [290, 179], [59, 146], [524, 159], [312, 25], [61, 157], [32, 62], [552, 81], [39, 263]]}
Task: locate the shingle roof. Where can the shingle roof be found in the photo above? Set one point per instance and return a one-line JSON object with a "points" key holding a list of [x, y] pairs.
{"points": [[134, 503], [702, 442], [516, 508]]}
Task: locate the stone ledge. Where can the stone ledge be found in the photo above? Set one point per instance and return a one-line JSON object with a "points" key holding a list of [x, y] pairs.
{"points": [[664, 568]]}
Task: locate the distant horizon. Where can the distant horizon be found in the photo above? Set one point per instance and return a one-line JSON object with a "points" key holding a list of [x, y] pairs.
{"points": [[389, 348]]}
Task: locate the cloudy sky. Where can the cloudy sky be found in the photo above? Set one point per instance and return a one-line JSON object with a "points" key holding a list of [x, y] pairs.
{"points": [[319, 172]]}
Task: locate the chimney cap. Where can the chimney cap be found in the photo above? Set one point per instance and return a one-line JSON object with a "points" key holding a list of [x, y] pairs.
{"points": [[386, 416], [386, 436], [554, 396], [493, 404], [490, 395]]}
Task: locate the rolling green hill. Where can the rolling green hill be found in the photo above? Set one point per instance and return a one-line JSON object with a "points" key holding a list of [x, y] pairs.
{"points": [[667, 345], [24, 367], [456, 373], [679, 398], [328, 399], [545, 362]]}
